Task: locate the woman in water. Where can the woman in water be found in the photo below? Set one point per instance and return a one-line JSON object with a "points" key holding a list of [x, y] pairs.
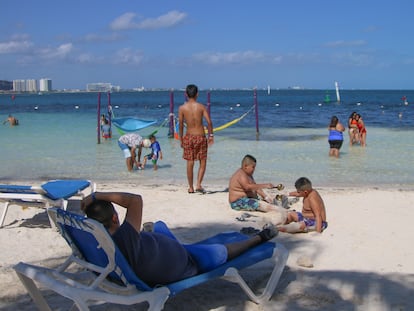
{"points": [[336, 137], [362, 130]]}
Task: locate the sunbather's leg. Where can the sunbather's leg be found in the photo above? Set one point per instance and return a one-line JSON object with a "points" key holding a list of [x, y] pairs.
{"points": [[237, 248], [293, 227], [161, 227]]}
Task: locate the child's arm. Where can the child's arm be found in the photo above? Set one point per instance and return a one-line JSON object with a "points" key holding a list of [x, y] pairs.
{"points": [[294, 194]]}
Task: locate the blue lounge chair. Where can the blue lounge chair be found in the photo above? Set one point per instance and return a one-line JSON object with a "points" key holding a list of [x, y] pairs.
{"points": [[111, 279], [51, 193]]}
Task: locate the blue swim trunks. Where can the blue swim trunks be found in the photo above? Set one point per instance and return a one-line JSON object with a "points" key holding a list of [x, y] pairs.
{"points": [[311, 223], [245, 204]]}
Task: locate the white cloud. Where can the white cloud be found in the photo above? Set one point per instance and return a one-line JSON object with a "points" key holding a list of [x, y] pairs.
{"points": [[219, 58], [126, 21], [342, 43], [128, 56], [15, 46], [353, 59], [170, 19], [86, 58], [60, 52], [371, 28], [111, 37]]}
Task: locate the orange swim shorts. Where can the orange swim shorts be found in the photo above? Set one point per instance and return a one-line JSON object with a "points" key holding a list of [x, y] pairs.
{"points": [[195, 147]]}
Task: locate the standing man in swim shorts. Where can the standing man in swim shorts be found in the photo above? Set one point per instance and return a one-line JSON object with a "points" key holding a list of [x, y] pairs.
{"points": [[194, 142]]}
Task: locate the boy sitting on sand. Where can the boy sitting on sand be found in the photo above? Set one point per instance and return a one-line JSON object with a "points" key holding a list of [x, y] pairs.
{"points": [[313, 215]]}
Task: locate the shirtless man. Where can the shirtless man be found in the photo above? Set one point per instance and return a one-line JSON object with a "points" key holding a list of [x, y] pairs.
{"points": [[313, 215], [11, 120], [194, 142], [244, 192]]}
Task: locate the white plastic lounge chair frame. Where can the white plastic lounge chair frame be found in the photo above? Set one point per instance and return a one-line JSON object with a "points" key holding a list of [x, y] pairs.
{"points": [[51, 193], [128, 288]]}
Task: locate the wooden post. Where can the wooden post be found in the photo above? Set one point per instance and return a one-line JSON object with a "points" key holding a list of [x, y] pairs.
{"points": [[109, 109], [99, 119], [110, 113], [172, 129], [208, 104]]}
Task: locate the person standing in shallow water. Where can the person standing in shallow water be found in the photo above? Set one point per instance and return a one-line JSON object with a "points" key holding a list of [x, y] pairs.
{"points": [[11, 120], [362, 130], [194, 142], [336, 137]]}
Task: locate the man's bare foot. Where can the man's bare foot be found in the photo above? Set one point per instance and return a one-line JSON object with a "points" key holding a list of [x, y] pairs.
{"points": [[269, 232]]}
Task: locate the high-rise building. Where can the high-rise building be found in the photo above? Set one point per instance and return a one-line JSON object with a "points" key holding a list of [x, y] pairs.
{"points": [[45, 85], [31, 85], [19, 85]]}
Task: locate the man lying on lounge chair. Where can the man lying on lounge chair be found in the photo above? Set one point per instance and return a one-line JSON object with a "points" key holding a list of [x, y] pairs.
{"points": [[157, 257]]}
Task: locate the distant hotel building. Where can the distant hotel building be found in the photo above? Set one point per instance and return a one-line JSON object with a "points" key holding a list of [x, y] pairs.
{"points": [[32, 85], [45, 85], [99, 87], [19, 85]]}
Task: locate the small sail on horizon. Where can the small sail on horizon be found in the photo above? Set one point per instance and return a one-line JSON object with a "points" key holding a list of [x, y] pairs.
{"points": [[338, 98], [268, 90]]}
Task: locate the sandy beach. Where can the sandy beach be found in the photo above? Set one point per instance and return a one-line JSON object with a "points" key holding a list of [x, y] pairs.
{"points": [[363, 261]]}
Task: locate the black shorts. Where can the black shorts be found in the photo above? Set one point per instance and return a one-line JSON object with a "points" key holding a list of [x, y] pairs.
{"points": [[337, 144]]}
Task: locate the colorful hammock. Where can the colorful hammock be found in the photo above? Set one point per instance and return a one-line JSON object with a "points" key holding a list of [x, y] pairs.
{"points": [[131, 124]]}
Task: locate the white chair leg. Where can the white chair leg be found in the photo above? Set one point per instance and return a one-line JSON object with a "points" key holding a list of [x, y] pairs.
{"points": [[3, 215], [34, 292]]}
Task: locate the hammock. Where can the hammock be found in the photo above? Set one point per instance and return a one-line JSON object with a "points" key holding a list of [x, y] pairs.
{"points": [[228, 124], [131, 124]]}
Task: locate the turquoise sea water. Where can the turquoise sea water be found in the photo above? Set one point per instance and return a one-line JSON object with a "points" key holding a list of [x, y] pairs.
{"points": [[57, 138]]}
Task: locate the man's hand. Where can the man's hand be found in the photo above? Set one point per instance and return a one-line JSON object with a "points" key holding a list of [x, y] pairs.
{"points": [[269, 199]]}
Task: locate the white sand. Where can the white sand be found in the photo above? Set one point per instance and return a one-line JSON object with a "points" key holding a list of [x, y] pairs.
{"points": [[363, 261]]}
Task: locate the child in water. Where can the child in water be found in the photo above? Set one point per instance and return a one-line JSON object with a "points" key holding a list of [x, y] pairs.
{"points": [[155, 154]]}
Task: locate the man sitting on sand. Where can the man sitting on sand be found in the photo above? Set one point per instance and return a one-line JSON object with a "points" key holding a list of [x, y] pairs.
{"points": [[313, 215], [157, 257], [244, 192]]}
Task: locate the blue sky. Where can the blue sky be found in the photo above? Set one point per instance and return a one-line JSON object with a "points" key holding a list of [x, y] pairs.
{"points": [[361, 44]]}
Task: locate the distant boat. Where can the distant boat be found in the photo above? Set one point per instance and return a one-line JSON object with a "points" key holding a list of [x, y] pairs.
{"points": [[131, 124], [268, 90]]}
